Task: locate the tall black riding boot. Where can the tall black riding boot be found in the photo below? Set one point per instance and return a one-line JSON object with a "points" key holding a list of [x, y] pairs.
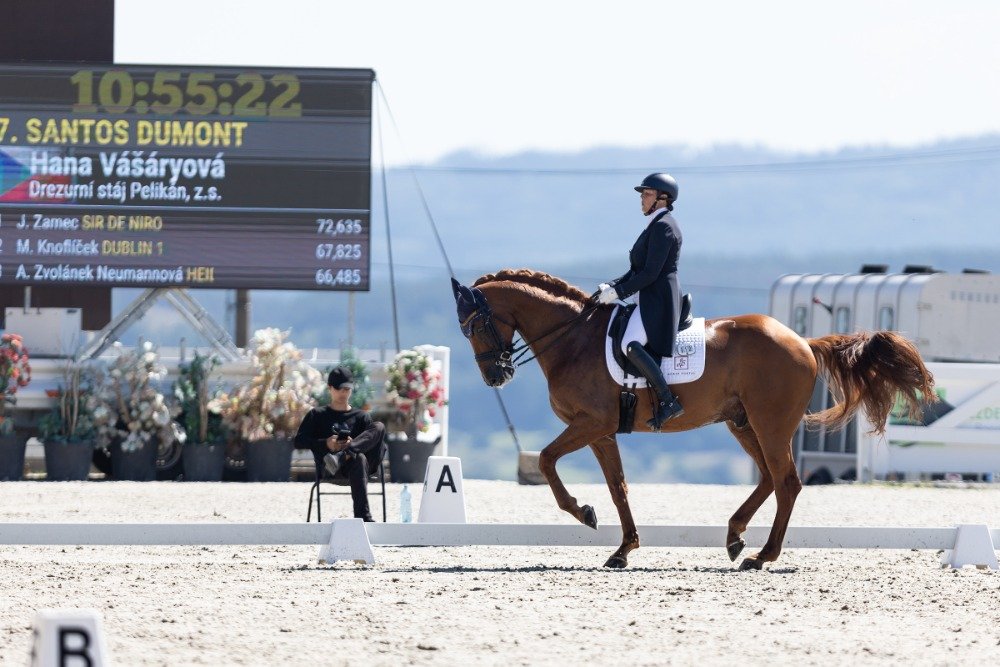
{"points": [[669, 407]]}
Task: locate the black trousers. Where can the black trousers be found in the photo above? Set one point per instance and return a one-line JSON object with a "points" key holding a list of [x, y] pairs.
{"points": [[358, 467]]}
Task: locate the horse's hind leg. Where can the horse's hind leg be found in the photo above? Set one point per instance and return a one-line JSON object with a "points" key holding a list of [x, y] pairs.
{"points": [[578, 434], [606, 451], [777, 452], [738, 522]]}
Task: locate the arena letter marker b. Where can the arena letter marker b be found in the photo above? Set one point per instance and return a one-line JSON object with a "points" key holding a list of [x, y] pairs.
{"points": [[68, 637]]}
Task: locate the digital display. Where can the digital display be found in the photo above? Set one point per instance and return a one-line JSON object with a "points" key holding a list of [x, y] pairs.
{"points": [[179, 176]]}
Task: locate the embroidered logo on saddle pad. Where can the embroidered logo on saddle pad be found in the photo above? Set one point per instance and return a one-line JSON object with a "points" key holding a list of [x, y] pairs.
{"points": [[687, 364]]}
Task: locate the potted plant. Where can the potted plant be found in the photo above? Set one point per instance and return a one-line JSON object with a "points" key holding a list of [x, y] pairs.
{"points": [[204, 451], [15, 373], [266, 411], [68, 430], [413, 386], [131, 415]]}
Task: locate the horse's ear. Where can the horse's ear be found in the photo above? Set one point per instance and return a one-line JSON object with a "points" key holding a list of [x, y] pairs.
{"points": [[464, 299], [479, 297]]}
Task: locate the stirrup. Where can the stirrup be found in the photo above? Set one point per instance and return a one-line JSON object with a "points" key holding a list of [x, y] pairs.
{"points": [[664, 413]]}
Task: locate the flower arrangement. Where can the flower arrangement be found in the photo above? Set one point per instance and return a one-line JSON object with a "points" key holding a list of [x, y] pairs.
{"points": [[274, 401], [15, 372], [414, 387], [71, 420], [127, 404], [192, 393]]}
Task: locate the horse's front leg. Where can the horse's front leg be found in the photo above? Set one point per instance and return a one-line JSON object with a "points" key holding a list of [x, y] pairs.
{"points": [[606, 451], [578, 434]]}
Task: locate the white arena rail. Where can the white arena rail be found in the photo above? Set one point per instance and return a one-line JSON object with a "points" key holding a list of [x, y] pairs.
{"points": [[469, 534]]}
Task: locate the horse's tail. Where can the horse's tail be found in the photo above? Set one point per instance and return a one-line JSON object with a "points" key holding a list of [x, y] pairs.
{"points": [[868, 370]]}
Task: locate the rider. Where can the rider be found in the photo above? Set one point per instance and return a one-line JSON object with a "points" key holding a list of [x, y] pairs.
{"points": [[653, 274]]}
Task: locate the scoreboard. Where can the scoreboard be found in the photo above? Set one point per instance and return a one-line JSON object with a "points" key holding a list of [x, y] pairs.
{"points": [[180, 176]]}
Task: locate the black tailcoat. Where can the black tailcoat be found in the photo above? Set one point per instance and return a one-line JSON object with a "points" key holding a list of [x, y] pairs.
{"points": [[653, 274]]}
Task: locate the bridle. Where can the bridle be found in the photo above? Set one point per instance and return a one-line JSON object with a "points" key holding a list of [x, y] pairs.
{"points": [[508, 356]]}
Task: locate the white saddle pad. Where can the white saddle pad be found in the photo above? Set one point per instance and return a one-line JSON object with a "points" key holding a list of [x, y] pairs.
{"points": [[687, 364]]}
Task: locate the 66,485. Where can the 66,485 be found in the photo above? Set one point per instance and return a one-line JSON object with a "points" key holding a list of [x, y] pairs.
{"points": [[339, 277]]}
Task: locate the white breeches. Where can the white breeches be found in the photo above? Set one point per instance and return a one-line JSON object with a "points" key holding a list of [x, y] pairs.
{"points": [[634, 331]]}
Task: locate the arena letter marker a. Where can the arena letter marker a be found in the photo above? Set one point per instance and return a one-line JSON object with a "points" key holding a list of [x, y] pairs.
{"points": [[443, 500]]}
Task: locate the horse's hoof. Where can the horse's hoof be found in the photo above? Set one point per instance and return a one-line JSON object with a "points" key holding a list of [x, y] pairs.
{"points": [[590, 516], [617, 562], [734, 548], [751, 564]]}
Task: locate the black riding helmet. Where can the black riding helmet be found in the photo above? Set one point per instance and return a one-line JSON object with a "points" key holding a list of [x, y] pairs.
{"points": [[664, 183]]}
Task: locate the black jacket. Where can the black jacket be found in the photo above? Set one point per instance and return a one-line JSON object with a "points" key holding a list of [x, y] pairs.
{"points": [[653, 274], [322, 422]]}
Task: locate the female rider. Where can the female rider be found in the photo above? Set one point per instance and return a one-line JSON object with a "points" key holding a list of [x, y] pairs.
{"points": [[653, 274]]}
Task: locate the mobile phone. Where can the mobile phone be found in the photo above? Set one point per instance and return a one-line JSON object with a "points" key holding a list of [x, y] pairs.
{"points": [[343, 434]]}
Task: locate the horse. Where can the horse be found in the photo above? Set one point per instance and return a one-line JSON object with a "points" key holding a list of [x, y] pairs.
{"points": [[759, 376]]}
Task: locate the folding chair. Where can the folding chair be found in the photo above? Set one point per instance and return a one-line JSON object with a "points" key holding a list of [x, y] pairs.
{"points": [[323, 478]]}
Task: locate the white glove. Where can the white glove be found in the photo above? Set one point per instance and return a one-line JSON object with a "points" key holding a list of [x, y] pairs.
{"points": [[608, 295], [603, 286]]}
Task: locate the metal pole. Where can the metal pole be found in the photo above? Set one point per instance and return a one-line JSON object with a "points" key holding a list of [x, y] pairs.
{"points": [[242, 317], [350, 320]]}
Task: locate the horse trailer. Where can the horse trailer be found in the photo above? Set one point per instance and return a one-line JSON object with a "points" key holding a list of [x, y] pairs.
{"points": [[951, 318]]}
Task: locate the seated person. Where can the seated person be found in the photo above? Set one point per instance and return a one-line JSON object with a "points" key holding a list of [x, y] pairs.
{"points": [[344, 441]]}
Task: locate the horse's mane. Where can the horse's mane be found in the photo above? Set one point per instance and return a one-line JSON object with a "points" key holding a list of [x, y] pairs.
{"points": [[551, 285]]}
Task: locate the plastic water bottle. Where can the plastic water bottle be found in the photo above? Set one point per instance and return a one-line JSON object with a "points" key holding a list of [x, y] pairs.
{"points": [[405, 513]]}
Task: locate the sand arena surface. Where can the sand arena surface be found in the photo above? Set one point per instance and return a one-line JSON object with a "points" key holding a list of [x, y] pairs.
{"points": [[497, 605]]}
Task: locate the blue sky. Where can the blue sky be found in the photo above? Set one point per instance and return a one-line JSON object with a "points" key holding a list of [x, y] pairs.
{"points": [[499, 78]]}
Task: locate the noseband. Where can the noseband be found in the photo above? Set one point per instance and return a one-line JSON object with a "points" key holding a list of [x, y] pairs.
{"points": [[481, 322]]}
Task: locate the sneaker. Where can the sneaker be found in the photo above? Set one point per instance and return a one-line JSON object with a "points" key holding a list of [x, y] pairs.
{"points": [[332, 462], [366, 518]]}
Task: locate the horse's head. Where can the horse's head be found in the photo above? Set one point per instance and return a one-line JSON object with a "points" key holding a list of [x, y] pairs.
{"points": [[492, 346]]}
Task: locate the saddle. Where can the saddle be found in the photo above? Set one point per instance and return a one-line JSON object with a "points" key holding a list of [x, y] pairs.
{"points": [[617, 332]]}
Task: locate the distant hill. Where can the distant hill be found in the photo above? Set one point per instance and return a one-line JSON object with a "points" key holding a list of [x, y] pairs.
{"points": [[748, 215]]}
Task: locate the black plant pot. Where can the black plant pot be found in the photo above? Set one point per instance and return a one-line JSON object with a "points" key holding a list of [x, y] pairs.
{"points": [[68, 461], [204, 462], [134, 466], [269, 460], [408, 459], [12, 456]]}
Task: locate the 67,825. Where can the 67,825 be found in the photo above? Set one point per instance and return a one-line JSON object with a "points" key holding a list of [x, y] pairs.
{"points": [[340, 277]]}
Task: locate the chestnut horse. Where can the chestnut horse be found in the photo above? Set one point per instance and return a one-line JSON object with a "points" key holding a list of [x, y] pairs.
{"points": [[759, 376]]}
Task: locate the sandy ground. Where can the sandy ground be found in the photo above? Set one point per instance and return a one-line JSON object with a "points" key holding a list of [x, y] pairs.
{"points": [[492, 605]]}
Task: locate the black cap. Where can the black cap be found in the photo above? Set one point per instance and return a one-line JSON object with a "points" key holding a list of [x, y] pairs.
{"points": [[340, 376]]}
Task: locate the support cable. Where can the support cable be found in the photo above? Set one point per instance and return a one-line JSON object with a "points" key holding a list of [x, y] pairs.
{"points": [[437, 237], [388, 233]]}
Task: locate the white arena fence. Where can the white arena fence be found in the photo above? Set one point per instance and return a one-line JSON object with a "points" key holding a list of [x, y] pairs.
{"points": [[472, 534]]}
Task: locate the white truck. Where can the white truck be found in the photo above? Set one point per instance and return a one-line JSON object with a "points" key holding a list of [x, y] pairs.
{"points": [[954, 320]]}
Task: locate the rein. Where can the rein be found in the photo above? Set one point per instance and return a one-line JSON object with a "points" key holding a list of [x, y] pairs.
{"points": [[524, 347], [513, 355]]}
